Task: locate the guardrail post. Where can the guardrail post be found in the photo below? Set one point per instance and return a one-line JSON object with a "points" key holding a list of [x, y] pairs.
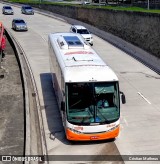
{"points": [[2, 71], [0, 58]]}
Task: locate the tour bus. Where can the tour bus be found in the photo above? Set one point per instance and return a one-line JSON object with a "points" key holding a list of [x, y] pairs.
{"points": [[87, 90]]}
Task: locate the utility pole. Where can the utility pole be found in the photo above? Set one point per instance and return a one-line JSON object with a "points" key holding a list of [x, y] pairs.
{"points": [[148, 4], [99, 3]]}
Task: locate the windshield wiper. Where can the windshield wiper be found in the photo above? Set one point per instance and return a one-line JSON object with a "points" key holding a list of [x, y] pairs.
{"points": [[76, 103], [102, 115]]}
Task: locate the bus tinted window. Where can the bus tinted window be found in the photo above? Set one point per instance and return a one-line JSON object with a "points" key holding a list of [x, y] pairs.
{"points": [[92, 103]]}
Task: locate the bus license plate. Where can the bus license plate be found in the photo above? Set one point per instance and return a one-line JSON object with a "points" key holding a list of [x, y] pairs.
{"points": [[94, 137]]}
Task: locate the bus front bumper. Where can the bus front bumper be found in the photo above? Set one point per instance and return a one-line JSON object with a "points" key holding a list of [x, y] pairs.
{"points": [[88, 137]]}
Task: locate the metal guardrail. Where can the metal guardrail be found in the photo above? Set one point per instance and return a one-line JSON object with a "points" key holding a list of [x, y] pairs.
{"points": [[23, 58], [26, 93]]}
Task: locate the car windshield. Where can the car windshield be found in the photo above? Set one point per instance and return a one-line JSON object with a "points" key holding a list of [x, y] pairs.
{"points": [[19, 21], [82, 31], [28, 8], [7, 7], [89, 103]]}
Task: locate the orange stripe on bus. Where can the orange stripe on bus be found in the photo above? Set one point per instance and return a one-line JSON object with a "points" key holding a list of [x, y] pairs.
{"points": [[86, 137]]}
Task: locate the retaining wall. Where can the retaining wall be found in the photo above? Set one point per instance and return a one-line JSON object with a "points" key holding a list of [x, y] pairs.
{"points": [[140, 29]]}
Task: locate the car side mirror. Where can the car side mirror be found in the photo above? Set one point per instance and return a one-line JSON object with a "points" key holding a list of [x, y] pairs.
{"points": [[62, 106], [123, 98]]}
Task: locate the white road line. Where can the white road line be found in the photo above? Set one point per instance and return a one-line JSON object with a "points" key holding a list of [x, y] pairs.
{"points": [[125, 121], [144, 98], [43, 38]]}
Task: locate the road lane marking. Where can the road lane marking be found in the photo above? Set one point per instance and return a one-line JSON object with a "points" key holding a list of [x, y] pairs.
{"points": [[144, 98], [43, 38], [125, 121]]}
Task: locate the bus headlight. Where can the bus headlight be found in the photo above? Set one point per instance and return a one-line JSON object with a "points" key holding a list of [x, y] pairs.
{"points": [[74, 131], [113, 128]]}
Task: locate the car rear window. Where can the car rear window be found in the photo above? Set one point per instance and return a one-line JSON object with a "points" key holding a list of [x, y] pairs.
{"points": [[7, 7], [19, 21], [30, 8], [82, 31]]}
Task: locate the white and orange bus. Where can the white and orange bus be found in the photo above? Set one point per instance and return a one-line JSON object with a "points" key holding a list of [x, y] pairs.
{"points": [[87, 90]]}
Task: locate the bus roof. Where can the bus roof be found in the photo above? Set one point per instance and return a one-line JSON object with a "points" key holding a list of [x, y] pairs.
{"points": [[78, 61]]}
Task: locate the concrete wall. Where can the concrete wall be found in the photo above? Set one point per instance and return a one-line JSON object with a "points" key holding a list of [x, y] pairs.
{"points": [[140, 29]]}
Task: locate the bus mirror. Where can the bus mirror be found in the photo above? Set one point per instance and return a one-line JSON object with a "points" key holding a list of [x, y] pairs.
{"points": [[63, 92], [62, 106], [123, 98]]}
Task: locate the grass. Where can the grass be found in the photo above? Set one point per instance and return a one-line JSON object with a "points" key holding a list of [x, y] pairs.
{"points": [[126, 8], [122, 8], [137, 9]]}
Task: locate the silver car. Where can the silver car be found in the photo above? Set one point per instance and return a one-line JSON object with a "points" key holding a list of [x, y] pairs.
{"points": [[27, 10], [7, 10], [19, 25]]}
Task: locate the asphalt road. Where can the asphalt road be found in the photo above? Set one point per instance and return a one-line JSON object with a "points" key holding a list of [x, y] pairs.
{"points": [[11, 107]]}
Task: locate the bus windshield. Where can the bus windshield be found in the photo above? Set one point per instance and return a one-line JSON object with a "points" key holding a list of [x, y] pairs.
{"points": [[89, 103]]}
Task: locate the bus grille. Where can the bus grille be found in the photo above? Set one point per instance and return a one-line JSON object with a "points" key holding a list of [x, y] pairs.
{"points": [[94, 132]]}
